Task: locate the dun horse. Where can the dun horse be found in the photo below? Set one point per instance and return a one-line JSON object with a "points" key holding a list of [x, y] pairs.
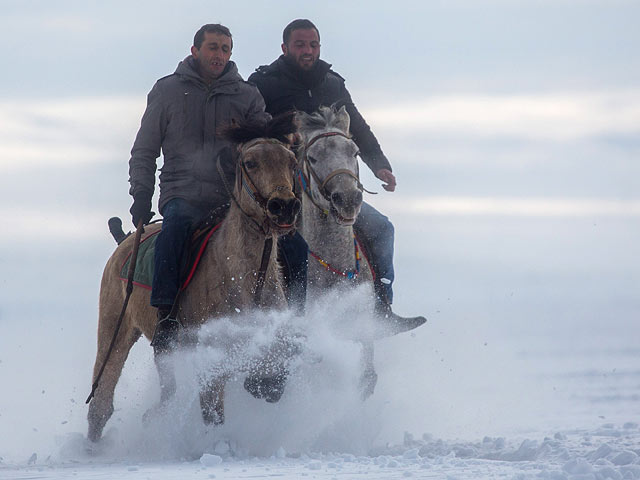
{"points": [[263, 207]]}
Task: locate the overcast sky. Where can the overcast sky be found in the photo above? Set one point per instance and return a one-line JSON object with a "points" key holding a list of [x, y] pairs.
{"points": [[483, 107], [80, 48]]}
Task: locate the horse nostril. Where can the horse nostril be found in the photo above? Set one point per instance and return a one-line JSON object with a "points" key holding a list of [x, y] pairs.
{"points": [[275, 206], [336, 198], [358, 199]]}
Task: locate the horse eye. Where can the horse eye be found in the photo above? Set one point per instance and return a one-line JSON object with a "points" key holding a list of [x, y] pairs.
{"points": [[357, 153], [311, 159], [250, 164]]}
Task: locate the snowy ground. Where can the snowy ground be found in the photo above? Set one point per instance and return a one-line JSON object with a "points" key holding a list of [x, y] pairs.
{"points": [[529, 367]]}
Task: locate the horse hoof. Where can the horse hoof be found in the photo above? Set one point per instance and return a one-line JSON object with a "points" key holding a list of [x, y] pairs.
{"points": [[267, 388]]}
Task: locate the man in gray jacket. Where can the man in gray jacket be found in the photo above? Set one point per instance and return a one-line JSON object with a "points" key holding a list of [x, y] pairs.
{"points": [[184, 111]]}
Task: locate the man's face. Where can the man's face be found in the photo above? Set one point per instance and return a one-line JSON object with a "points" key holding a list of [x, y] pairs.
{"points": [[303, 48], [213, 55]]}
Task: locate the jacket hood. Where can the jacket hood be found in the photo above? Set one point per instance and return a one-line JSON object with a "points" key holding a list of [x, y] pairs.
{"points": [[188, 68]]}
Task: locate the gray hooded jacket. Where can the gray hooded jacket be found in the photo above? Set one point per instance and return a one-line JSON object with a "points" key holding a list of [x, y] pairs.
{"points": [[181, 119]]}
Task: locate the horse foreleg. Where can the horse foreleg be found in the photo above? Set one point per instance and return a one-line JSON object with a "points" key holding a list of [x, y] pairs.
{"points": [[101, 406], [369, 377], [166, 374], [212, 401]]}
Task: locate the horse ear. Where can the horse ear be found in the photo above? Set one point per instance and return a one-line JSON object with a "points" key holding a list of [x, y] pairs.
{"points": [[342, 119], [300, 119]]}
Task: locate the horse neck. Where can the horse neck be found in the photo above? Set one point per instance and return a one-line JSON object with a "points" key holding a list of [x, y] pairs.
{"points": [[240, 243], [332, 242]]}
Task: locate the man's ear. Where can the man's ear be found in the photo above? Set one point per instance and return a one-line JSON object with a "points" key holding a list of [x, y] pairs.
{"points": [[194, 52], [284, 48]]}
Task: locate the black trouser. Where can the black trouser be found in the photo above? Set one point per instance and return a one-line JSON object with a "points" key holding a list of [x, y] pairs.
{"points": [[292, 255]]}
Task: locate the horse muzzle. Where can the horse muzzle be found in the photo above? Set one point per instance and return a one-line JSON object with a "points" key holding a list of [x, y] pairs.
{"points": [[345, 206], [283, 213]]}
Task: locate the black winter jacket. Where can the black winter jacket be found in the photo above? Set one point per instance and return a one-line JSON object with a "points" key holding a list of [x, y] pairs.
{"points": [[286, 87]]}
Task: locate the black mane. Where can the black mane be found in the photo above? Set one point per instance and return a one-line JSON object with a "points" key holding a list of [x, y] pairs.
{"points": [[278, 128]]}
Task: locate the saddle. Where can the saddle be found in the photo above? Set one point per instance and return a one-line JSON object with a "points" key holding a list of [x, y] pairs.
{"points": [[200, 235]]}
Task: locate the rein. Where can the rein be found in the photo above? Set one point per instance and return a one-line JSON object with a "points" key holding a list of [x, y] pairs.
{"points": [[130, 274]]}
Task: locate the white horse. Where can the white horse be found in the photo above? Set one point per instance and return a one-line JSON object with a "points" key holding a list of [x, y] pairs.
{"points": [[331, 202]]}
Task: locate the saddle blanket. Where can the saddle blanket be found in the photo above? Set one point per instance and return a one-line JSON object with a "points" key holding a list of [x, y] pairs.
{"points": [[143, 275]]}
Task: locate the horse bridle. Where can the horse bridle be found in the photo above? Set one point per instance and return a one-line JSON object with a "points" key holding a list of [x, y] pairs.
{"points": [[322, 184], [246, 183]]}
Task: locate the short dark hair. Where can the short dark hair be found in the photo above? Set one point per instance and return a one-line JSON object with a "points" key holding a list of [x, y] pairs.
{"points": [[210, 28], [299, 24]]}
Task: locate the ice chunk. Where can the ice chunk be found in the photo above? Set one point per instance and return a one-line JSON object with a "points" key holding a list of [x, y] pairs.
{"points": [[625, 458], [577, 466], [208, 460]]}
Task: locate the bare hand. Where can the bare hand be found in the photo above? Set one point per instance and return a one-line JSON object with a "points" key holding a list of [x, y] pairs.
{"points": [[389, 178]]}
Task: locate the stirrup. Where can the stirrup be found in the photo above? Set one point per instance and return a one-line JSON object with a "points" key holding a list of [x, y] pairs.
{"points": [[165, 334]]}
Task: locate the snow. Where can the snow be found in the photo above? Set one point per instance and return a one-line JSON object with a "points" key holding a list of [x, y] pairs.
{"points": [[571, 458], [526, 369]]}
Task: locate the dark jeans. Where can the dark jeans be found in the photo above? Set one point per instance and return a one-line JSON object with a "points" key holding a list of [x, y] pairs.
{"points": [[293, 258], [375, 233], [179, 216]]}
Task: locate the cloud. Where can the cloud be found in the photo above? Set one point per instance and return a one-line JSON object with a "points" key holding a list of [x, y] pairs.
{"points": [[511, 206], [66, 131], [551, 117], [85, 130], [29, 224]]}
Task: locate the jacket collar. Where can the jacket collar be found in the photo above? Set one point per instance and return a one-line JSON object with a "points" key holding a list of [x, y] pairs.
{"points": [[188, 70], [309, 79]]}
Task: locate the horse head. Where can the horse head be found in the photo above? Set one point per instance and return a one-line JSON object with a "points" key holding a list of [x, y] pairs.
{"points": [[329, 164], [265, 168]]}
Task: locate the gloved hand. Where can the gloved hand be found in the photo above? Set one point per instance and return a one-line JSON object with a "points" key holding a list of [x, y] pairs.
{"points": [[389, 178], [141, 208]]}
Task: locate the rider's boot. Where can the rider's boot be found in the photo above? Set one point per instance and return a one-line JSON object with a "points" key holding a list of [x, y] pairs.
{"points": [[391, 322], [165, 336]]}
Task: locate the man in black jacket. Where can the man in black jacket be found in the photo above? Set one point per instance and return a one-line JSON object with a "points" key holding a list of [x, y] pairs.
{"points": [[299, 80]]}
